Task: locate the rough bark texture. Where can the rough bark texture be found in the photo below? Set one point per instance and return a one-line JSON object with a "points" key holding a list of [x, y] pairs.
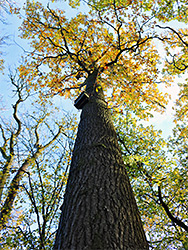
{"points": [[99, 209]]}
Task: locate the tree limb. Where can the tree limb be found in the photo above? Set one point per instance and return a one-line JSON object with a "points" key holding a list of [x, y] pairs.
{"points": [[170, 215], [14, 186], [174, 31]]}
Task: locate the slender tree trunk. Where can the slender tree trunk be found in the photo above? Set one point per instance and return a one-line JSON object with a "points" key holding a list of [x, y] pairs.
{"points": [[99, 209], [14, 185]]}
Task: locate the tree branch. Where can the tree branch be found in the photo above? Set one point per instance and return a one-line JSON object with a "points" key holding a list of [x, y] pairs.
{"points": [[174, 31], [170, 215], [14, 186]]}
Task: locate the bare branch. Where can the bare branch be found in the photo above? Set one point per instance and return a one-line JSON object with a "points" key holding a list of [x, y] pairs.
{"points": [[174, 31], [14, 186]]}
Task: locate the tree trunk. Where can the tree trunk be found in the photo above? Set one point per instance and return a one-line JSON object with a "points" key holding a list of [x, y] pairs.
{"points": [[99, 209]]}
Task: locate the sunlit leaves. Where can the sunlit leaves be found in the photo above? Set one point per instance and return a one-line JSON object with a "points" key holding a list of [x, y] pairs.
{"points": [[66, 50], [182, 105], [161, 9], [176, 45]]}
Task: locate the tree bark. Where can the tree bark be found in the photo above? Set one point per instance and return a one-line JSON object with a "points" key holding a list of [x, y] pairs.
{"points": [[99, 209]]}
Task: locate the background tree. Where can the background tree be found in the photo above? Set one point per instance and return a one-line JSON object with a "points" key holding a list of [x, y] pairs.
{"points": [[157, 173], [176, 46], [35, 155]]}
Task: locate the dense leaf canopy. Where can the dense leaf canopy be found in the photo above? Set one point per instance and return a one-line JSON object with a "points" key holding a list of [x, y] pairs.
{"points": [[115, 39]]}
